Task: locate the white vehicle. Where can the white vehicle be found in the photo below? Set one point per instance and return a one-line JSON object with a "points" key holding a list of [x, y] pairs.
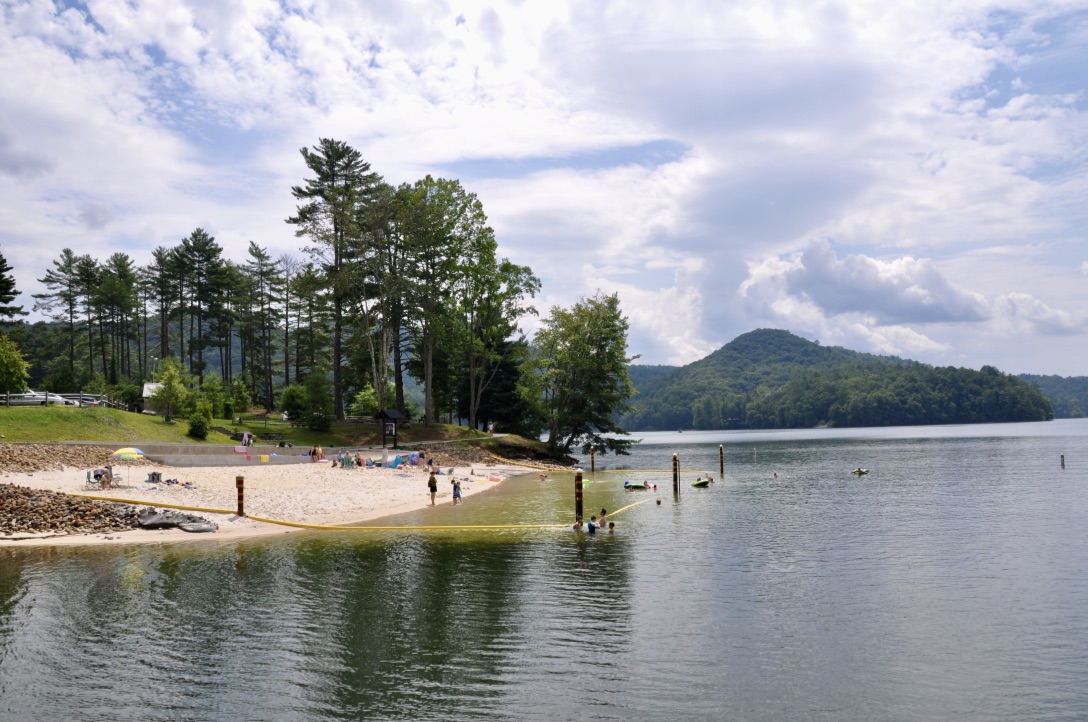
{"points": [[40, 398], [22, 399]]}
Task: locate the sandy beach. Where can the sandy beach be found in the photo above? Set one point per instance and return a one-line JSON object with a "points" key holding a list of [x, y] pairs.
{"points": [[303, 493]]}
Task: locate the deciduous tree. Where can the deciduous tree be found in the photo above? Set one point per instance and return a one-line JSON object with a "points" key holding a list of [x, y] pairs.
{"points": [[582, 367]]}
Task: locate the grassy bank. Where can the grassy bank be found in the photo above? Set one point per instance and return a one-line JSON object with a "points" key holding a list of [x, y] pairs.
{"points": [[44, 424]]}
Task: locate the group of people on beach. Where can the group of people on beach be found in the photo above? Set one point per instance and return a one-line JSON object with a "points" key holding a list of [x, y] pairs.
{"points": [[349, 460]]}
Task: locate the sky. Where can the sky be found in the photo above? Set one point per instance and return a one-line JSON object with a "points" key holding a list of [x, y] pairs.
{"points": [[903, 178]]}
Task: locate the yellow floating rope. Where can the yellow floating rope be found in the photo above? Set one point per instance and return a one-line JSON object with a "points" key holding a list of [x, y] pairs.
{"points": [[335, 527], [625, 508], [648, 471], [141, 502]]}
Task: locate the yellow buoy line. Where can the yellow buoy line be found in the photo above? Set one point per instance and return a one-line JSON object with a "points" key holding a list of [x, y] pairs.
{"points": [[334, 527], [647, 471]]}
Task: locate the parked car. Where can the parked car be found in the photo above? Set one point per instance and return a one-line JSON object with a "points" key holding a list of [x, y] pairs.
{"points": [[47, 398], [23, 399]]}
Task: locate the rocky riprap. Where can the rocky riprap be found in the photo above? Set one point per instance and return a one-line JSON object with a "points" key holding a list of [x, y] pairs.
{"points": [[28, 458], [32, 511]]}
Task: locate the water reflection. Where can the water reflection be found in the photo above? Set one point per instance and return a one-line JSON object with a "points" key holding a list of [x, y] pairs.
{"points": [[323, 627]]}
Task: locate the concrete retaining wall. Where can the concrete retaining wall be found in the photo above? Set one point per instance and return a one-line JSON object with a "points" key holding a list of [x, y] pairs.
{"points": [[233, 460]]}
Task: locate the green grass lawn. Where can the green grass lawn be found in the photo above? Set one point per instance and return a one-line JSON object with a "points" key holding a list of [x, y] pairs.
{"points": [[91, 423], [45, 424]]}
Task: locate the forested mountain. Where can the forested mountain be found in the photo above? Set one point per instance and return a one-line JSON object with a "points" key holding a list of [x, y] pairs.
{"points": [[774, 379], [1068, 395]]}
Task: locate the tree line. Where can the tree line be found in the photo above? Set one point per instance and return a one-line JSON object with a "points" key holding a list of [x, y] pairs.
{"points": [[1068, 394], [395, 281]]}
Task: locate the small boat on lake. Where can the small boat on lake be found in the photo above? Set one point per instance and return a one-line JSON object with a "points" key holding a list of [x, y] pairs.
{"points": [[859, 471], [636, 485], [701, 483]]}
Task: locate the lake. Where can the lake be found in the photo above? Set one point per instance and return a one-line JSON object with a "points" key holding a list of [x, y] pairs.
{"points": [[950, 582]]}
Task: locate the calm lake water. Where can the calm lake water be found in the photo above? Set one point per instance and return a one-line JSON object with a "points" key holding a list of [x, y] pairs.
{"points": [[949, 583]]}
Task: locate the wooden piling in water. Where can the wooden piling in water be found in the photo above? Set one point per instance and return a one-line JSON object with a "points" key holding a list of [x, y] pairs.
{"points": [[240, 482], [676, 475], [592, 460], [721, 462], [577, 495]]}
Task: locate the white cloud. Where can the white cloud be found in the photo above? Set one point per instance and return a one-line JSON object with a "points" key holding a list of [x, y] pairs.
{"points": [[942, 151], [900, 290], [898, 306], [1021, 313]]}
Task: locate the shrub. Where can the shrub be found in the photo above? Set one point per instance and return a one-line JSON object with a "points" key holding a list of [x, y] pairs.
{"points": [[295, 401], [319, 421], [198, 426]]}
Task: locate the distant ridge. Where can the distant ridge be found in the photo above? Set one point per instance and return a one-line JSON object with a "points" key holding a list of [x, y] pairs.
{"points": [[770, 378], [1068, 394]]}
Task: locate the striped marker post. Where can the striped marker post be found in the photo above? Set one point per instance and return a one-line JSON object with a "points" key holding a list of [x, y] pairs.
{"points": [[240, 482]]}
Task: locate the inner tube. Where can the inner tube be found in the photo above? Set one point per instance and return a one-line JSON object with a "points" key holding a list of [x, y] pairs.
{"points": [[635, 485], [701, 483], [859, 472]]}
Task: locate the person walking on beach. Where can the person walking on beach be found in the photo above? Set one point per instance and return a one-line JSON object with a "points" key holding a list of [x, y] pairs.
{"points": [[432, 485], [385, 456]]}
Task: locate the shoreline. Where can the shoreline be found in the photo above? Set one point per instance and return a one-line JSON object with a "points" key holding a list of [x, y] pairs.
{"points": [[300, 493]]}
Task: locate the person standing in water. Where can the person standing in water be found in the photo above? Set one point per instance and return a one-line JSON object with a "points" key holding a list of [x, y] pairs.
{"points": [[432, 485], [456, 491]]}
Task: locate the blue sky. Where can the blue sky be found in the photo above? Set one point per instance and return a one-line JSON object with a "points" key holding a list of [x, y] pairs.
{"points": [[905, 178]]}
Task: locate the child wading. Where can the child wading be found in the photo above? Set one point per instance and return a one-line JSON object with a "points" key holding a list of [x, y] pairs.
{"points": [[456, 491], [432, 484]]}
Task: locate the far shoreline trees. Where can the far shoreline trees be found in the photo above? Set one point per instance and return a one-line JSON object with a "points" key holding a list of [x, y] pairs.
{"points": [[772, 379]]}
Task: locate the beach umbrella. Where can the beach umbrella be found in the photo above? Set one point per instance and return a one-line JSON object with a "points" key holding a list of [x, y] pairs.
{"points": [[129, 452]]}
